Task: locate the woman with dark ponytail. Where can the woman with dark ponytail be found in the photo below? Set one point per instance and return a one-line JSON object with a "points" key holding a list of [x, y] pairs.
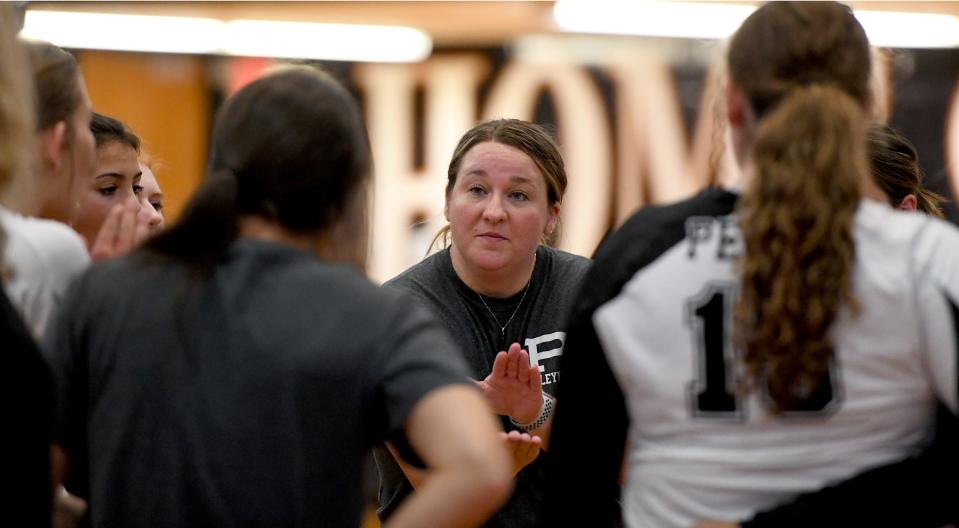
{"points": [[754, 345], [895, 166], [235, 372]]}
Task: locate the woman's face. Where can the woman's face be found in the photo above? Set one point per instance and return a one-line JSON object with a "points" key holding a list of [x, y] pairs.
{"points": [[73, 162], [116, 180], [151, 199], [498, 209]]}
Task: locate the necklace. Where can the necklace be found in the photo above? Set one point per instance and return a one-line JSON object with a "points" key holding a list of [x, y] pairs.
{"points": [[502, 328]]}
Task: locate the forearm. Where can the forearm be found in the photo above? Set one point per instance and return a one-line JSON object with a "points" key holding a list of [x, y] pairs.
{"points": [[415, 475], [449, 498], [469, 470]]}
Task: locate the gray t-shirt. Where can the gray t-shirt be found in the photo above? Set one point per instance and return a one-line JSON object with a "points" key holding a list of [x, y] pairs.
{"points": [[247, 398], [539, 326]]}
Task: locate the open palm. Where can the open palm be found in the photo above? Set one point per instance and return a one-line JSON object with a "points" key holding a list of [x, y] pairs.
{"points": [[513, 388]]}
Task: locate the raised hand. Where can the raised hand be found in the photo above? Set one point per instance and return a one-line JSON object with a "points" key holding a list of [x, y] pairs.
{"points": [[121, 231], [523, 447], [513, 388]]}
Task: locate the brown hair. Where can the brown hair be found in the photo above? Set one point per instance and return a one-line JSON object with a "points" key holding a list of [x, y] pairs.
{"points": [[107, 129], [804, 67], [528, 137], [895, 168], [290, 147], [56, 83]]}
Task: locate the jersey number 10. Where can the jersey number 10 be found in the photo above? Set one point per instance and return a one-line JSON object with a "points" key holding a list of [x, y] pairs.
{"points": [[713, 390]]}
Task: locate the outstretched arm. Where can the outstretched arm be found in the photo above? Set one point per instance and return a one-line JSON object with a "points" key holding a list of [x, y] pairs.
{"points": [[453, 432]]}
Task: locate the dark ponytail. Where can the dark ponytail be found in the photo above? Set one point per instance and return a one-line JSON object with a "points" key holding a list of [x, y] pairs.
{"points": [[894, 164], [207, 225], [291, 148]]}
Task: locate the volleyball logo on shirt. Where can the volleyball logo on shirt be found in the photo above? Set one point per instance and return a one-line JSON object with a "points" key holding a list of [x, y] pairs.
{"points": [[544, 352]]}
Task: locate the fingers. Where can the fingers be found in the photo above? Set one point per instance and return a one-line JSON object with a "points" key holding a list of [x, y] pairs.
{"points": [[511, 366], [535, 383], [525, 448], [121, 232], [515, 365], [499, 365], [522, 367], [107, 236], [127, 230]]}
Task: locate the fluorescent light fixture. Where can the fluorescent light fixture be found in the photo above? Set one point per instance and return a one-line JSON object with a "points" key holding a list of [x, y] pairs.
{"points": [[124, 32], [698, 20], [890, 29], [651, 18], [303, 40], [255, 38]]}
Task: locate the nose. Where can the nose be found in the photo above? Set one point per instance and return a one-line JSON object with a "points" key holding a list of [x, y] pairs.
{"points": [[149, 216], [494, 212]]}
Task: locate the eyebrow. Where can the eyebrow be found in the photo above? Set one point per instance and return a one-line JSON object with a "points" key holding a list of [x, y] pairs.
{"points": [[515, 178], [116, 175]]}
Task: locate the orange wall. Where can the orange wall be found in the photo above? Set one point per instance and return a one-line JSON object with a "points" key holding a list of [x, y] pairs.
{"points": [[165, 99]]}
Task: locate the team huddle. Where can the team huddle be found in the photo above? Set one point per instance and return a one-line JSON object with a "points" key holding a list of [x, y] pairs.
{"points": [[781, 351]]}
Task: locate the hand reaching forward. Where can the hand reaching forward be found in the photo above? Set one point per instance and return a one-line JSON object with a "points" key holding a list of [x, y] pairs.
{"points": [[513, 387], [523, 447], [123, 229]]}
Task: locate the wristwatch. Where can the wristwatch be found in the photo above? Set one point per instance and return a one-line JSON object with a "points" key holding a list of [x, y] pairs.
{"points": [[544, 413]]}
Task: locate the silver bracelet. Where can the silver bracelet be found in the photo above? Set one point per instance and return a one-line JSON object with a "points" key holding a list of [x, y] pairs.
{"points": [[544, 413]]}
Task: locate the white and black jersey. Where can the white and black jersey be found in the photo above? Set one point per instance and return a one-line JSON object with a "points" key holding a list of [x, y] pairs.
{"points": [[650, 343]]}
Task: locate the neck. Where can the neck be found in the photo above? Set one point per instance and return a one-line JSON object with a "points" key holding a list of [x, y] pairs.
{"points": [[869, 189], [262, 229], [501, 283]]}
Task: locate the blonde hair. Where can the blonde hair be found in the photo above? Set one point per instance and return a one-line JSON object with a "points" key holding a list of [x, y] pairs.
{"points": [[16, 123], [16, 115]]}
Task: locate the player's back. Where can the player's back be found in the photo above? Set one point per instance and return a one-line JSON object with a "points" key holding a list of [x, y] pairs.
{"points": [[701, 447]]}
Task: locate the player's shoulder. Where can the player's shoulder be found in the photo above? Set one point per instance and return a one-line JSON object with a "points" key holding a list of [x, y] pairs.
{"points": [[49, 244], [653, 229]]}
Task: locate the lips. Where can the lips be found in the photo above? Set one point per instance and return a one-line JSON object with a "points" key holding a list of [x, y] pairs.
{"points": [[492, 236]]}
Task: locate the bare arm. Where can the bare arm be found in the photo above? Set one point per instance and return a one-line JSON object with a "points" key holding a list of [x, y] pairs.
{"points": [[452, 430], [522, 447]]}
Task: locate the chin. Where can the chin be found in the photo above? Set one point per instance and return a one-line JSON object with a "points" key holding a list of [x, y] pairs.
{"points": [[489, 261]]}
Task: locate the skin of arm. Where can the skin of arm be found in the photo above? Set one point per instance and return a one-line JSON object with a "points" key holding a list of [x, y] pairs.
{"points": [[522, 447], [470, 477]]}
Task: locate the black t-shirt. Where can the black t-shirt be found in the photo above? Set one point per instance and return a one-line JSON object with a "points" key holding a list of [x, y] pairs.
{"points": [[28, 409], [538, 325], [247, 398]]}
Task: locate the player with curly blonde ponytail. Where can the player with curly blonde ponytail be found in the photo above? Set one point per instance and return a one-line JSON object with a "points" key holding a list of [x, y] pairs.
{"points": [[750, 346]]}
